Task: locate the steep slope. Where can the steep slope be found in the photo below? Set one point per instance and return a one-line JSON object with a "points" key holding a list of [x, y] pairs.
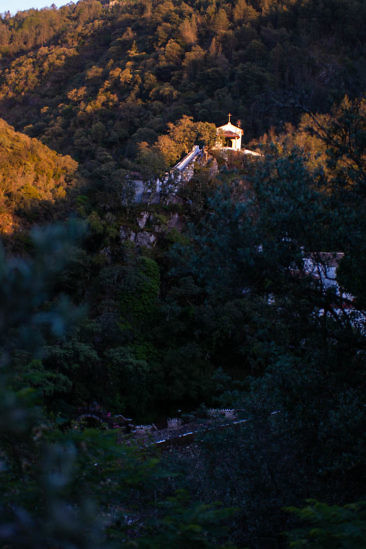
{"points": [[33, 179]]}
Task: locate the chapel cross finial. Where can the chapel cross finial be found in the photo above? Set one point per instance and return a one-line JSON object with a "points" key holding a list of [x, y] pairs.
{"points": [[229, 117]]}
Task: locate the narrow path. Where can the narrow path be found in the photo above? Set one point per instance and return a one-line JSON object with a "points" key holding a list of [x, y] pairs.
{"points": [[188, 159], [183, 439]]}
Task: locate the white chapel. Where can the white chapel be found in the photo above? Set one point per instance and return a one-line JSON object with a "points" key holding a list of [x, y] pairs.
{"points": [[230, 136]]}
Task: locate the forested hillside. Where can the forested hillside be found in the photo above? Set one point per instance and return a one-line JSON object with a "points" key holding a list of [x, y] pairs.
{"points": [[94, 82], [207, 294], [34, 181]]}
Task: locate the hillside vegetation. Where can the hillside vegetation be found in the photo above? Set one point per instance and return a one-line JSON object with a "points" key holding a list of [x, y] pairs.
{"points": [[33, 178], [95, 82]]}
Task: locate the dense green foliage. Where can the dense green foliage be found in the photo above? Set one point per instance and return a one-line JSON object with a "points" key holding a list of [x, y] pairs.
{"points": [[330, 526], [201, 298], [53, 479]]}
